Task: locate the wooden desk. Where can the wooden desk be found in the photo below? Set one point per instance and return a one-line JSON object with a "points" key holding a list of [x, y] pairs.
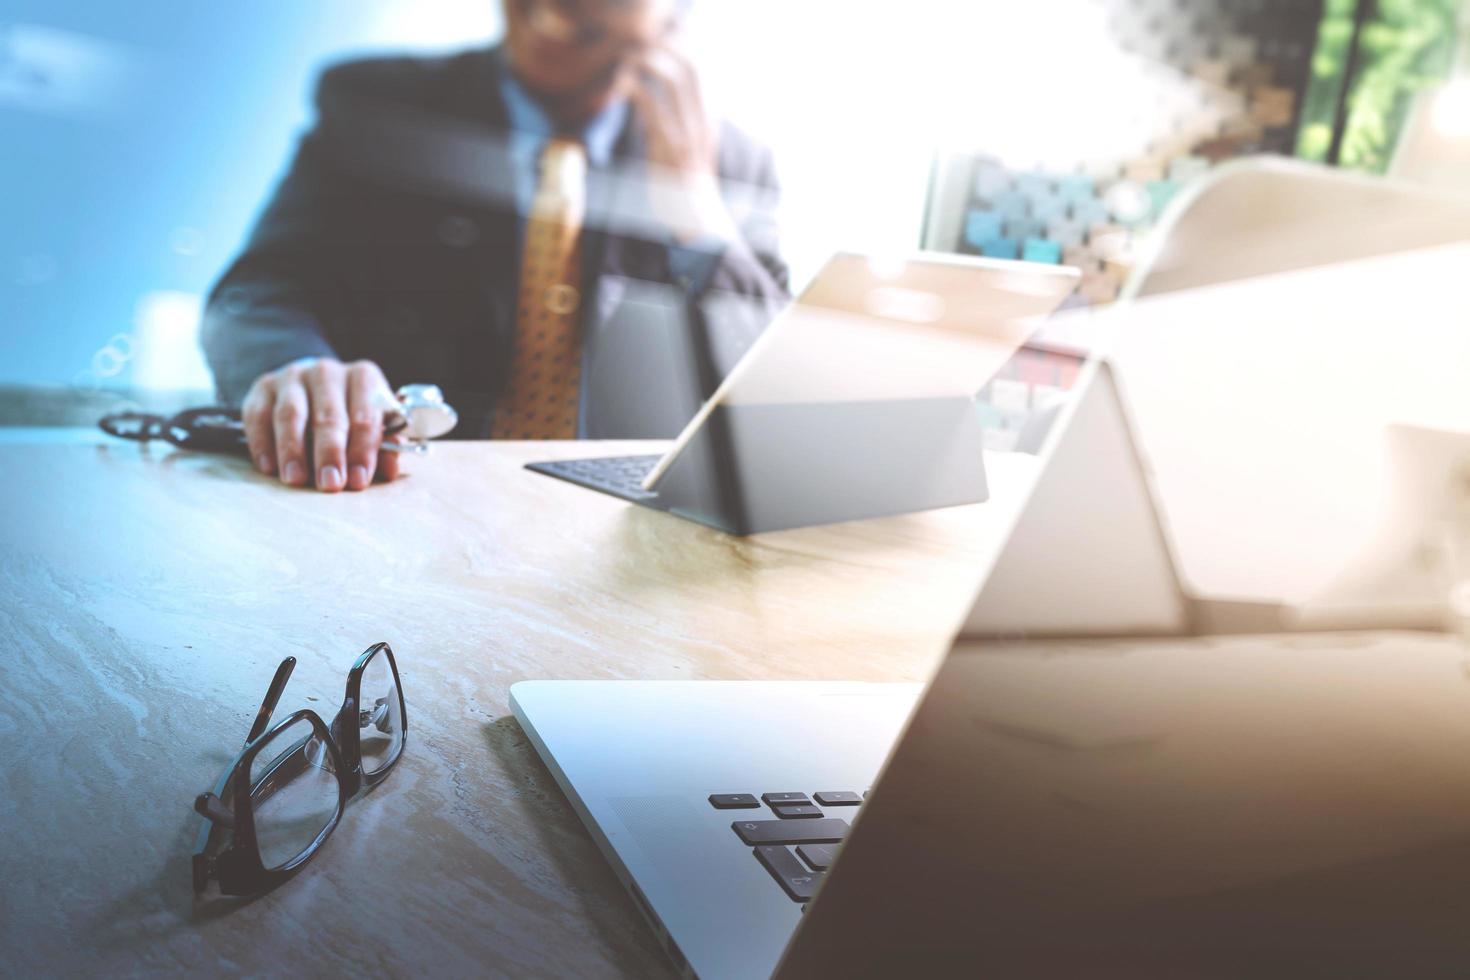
{"points": [[148, 595]]}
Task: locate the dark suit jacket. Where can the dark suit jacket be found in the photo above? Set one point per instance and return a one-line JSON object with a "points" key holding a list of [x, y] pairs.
{"points": [[394, 238]]}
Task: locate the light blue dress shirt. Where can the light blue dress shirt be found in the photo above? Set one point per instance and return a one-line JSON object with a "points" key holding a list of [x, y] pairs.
{"points": [[531, 128]]}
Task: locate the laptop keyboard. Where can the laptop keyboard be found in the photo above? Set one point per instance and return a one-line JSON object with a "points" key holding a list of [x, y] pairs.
{"points": [[621, 476], [799, 845]]}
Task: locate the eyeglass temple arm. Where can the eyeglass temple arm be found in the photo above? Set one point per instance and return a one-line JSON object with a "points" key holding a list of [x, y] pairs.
{"points": [[212, 808], [272, 695]]}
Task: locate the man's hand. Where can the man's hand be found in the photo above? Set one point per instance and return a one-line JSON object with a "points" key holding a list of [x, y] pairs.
{"points": [[683, 144], [324, 414]]}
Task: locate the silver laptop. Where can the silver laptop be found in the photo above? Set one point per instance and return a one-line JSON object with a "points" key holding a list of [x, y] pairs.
{"points": [[1106, 777], [858, 401]]}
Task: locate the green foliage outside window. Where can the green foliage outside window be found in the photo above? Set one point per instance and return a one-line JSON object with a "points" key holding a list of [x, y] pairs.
{"points": [[1406, 46]]}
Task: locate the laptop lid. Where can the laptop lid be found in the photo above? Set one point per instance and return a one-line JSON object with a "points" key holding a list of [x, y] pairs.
{"points": [[871, 330], [1087, 554], [1268, 407], [1173, 802]]}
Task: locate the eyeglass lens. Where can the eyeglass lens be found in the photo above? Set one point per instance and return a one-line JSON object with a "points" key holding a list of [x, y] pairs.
{"points": [[293, 792], [380, 719]]}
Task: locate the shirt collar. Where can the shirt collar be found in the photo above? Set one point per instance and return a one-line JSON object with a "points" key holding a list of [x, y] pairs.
{"points": [[527, 118]]}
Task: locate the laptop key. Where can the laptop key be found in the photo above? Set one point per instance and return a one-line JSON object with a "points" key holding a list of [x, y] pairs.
{"points": [[833, 798], [819, 856], [772, 799], [828, 830], [794, 878], [733, 801], [796, 811]]}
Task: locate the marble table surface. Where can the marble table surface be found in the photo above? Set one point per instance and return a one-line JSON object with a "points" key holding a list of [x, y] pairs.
{"points": [[147, 595]]}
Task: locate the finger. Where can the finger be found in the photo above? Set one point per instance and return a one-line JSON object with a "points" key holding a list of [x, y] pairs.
{"points": [[680, 62], [704, 130], [686, 120], [660, 84], [256, 415], [653, 115], [366, 389], [651, 109], [665, 142], [388, 463], [680, 83], [288, 420], [326, 383]]}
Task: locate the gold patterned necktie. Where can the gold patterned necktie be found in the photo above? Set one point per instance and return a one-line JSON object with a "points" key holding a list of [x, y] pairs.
{"points": [[542, 390]]}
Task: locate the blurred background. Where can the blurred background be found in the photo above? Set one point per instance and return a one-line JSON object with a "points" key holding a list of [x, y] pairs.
{"points": [[142, 138]]}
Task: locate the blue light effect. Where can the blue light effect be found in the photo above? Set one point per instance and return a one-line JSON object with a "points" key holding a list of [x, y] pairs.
{"points": [[140, 140]]}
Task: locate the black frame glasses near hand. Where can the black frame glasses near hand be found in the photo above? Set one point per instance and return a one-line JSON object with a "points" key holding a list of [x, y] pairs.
{"points": [[281, 798]]}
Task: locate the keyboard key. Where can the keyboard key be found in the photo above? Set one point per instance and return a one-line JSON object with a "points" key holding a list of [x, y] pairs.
{"points": [[1021, 229], [1159, 193], [1041, 250], [1035, 185], [828, 830], [991, 178], [733, 801], [1093, 211], [835, 798], [772, 799], [796, 811], [981, 226], [1049, 209], [793, 876], [999, 248], [1128, 201], [1068, 234], [819, 856], [1011, 204], [1076, 187]]}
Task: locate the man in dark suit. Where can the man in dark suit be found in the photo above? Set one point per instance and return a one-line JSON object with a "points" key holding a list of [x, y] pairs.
{"points": [[459, 221]]}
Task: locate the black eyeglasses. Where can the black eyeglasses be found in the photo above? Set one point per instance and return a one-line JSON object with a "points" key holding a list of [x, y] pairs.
{"points": [[214, 429], [282, 796]]}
